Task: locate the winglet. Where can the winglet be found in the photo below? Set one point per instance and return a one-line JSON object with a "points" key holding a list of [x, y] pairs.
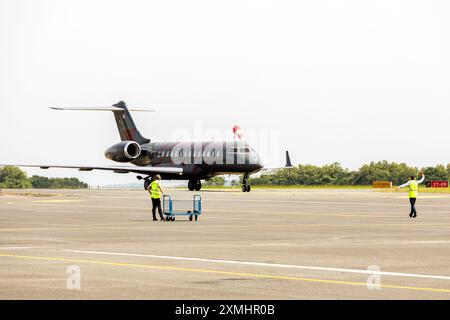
{"points": [[288, 160]]}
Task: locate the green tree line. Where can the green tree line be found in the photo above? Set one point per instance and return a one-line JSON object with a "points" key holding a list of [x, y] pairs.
{"points": [[216, 181], [15, 178], [334, 174]]}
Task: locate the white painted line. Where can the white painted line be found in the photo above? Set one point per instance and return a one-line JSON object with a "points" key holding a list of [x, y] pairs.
{"points": [[425, 241], [273, 244], [271, 265], [15, 248]]}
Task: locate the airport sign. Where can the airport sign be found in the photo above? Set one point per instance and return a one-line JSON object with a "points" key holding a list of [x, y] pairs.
{"points": [[382, 184], [437, 184]]}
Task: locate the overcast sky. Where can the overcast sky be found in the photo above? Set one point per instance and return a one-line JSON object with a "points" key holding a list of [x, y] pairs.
{"points": [[346, 81]]}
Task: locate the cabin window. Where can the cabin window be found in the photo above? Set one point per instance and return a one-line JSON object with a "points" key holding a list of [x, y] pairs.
{"points": [[236, 150]]}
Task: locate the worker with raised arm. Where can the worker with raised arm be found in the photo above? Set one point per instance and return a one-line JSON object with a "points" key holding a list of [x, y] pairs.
{"points": [[413, 187]]}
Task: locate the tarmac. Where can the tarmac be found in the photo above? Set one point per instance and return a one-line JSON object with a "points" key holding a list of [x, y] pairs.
{"points": [[266, 244]]}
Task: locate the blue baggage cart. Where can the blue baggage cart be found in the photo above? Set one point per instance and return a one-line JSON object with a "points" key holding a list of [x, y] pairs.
{"points": [[191, 208]]}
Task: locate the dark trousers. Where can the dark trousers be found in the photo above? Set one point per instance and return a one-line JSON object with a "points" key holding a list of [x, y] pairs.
{"points": [[156, 204], [412, 201]]}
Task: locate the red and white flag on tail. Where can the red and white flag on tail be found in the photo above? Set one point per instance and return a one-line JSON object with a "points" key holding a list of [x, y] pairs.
{"points": [[238, 133]]}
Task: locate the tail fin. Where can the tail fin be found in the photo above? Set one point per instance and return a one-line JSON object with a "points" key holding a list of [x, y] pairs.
{"points": [[125, 124]]}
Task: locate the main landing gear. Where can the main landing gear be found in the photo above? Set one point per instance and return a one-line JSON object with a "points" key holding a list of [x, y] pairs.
{"points": [[194, 185], [245, 186], [147, 181]]}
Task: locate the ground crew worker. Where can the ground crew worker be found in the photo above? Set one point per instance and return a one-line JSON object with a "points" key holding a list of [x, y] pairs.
{"points": [[155, 191], [413, 186]]}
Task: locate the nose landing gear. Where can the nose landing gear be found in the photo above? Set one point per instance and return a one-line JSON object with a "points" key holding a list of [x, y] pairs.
{"points": [[245, 186], [194, 185]]}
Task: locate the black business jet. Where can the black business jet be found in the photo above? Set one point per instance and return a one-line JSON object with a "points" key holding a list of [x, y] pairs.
{"points": [[193, 161]]}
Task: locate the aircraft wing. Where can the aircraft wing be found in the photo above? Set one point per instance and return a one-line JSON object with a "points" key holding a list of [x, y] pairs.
{"points": [[117, 169]]}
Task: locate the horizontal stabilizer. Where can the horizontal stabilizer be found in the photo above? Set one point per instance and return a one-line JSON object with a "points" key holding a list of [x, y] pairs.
{"points": [[100, 109], [125, 124]]}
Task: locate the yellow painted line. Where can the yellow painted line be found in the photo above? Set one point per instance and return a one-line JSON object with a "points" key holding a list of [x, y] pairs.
{"points": [[67, 228], [431, 197], [33, 203], [219, 272], [423, 197], [46, 229], [56, 201]]}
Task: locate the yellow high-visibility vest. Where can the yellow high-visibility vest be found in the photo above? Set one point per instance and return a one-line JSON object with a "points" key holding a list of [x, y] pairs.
{"points": [[413, 186], [156, 193]]}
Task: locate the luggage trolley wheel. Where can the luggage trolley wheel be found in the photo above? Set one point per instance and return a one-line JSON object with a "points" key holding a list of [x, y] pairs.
{"points": [[195, 215]]}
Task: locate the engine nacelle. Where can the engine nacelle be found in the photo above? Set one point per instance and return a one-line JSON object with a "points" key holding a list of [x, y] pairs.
{"points": [[124, 151]]}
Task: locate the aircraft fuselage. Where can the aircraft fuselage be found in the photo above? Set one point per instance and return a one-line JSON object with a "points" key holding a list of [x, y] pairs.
{"points": [[200, 160]]}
